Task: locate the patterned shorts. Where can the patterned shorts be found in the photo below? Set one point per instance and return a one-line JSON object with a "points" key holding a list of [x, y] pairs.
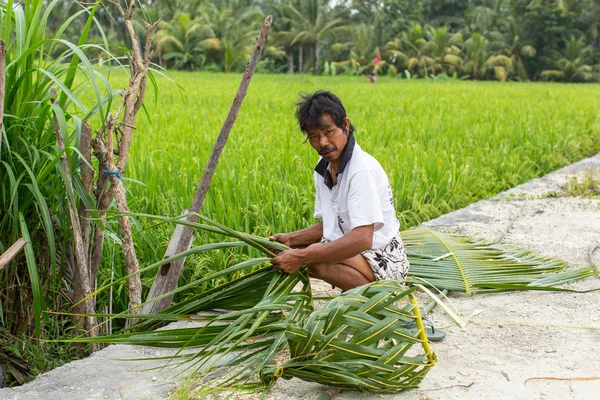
{"points": [[389, 262]]}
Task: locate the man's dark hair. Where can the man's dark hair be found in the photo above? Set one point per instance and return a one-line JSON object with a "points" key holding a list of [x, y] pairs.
{"points": [[311, 107]]}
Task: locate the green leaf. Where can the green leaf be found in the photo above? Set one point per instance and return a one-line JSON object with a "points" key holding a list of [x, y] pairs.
{"points": [[36, 286]]}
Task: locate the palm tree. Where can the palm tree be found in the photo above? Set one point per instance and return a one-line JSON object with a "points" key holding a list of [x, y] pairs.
{"points": [[311, 25], [356, 50], [356, 53], [573, 65], [181, 40], [284, 37], [443, 50], [409, 50], [168, 9], [497, 66], [234, 30], [515, 48], [362, 45], [479, 19], [476, 55]]}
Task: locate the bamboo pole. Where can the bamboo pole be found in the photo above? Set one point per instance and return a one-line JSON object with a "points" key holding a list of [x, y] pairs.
{"points": [[12, 251], [168, 274]]}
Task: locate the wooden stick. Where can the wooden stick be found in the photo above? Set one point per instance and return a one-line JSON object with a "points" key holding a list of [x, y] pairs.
{"points": [[173, 270], [12, 251], [166, 279], [553, 378]]}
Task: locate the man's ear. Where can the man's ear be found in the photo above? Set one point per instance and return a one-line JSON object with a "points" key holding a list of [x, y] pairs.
{"points": [[347, 126]]}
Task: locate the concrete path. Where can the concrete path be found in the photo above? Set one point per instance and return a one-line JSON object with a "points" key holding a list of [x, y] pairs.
{"points": [[511, 337]]}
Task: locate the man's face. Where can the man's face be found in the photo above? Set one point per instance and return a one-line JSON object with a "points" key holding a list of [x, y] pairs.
{"points": [[329, 139]]}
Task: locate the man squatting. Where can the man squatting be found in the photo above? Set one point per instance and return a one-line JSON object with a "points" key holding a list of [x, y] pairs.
{"points": [[356, 240]]}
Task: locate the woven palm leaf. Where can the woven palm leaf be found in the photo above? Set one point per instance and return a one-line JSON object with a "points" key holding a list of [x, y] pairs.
{"points": [[360, 340]]}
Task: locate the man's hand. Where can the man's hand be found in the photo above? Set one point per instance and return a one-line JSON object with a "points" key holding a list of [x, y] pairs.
{"points": [[288, 261], [283, 238]]}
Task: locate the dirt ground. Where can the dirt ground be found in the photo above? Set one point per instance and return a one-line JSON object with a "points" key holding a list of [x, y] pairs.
{"points": [[509, 338]]}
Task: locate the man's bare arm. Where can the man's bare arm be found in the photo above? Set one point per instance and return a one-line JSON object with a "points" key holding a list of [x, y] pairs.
{"points": [[350, 245], [302, 238], [357, 241]]}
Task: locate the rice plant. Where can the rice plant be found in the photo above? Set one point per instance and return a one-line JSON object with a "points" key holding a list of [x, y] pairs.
{"points": [[444, 145]]}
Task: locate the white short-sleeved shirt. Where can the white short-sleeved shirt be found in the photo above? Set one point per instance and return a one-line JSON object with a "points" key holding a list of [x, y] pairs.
{"points": [[361, 196]]}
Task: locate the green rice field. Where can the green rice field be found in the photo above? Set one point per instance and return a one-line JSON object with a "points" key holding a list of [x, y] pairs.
{"points": [[444, 144]]}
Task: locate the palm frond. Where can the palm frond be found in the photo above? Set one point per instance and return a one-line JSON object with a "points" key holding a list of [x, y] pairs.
{"points": [[459, 263]]}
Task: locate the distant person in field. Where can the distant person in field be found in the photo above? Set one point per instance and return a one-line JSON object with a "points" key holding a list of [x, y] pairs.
{"points": [[356, 240]]}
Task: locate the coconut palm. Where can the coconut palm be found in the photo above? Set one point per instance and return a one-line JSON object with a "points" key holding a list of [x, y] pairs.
{"points": [[498, 67], [362, 45], [311, 24], [563, 5], [515, 48], [443, 50], [573, 65], [168, 10], [476, 55], [180, 40], [386, 19], [284, 37], [409, 51], [234, 30], [479, 19], [356, 51]]}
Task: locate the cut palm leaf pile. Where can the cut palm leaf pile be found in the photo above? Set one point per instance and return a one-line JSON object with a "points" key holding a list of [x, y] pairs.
{"points": [[362, 340]]}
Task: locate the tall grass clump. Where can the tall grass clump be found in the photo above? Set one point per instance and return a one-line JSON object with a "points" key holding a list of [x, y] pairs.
{"points": [[33, 183]]}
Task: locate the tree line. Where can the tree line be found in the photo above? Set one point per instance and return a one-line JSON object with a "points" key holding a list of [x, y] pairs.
{"points": [[554, 40]]}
